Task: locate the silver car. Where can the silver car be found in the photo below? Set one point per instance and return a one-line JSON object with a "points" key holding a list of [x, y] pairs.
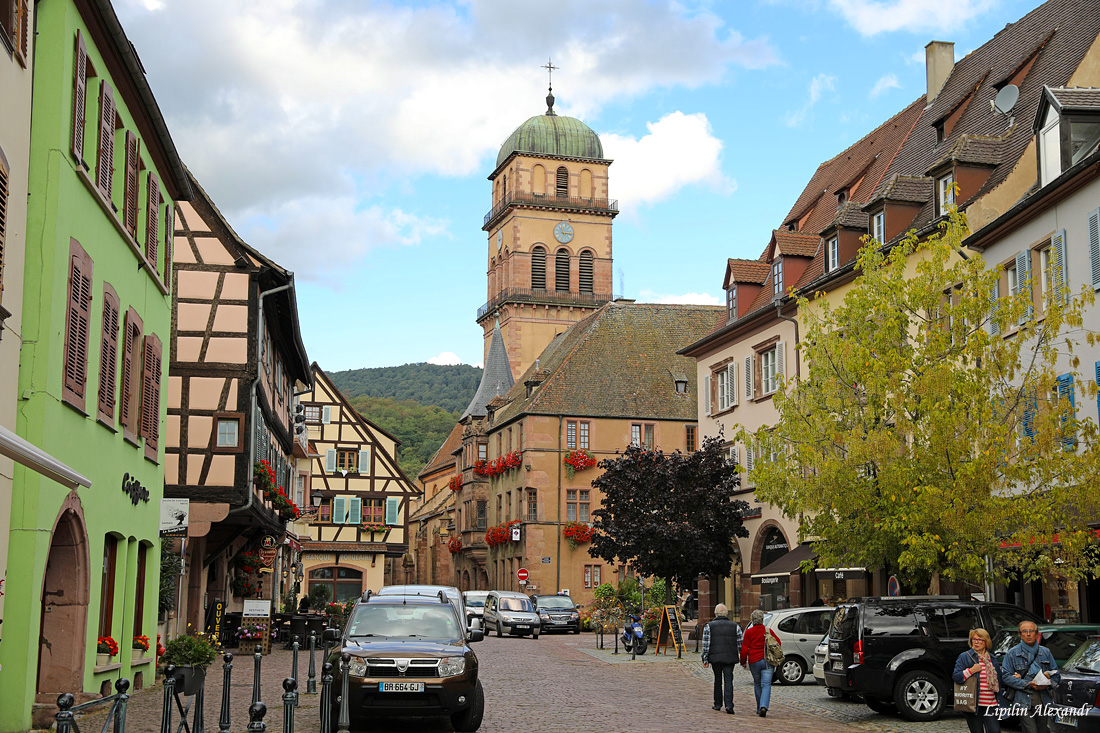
{"points": [[454, 595], [799, 631], [511, 613]]}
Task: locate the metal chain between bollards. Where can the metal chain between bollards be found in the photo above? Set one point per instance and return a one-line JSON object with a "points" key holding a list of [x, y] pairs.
{"points": [[311, 682], [344, 721], [290, 701], [227, 675], [326, 697]]}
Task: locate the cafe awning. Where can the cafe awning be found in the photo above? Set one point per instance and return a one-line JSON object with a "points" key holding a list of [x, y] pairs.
{"points": [[787, 564], [36, 459]]}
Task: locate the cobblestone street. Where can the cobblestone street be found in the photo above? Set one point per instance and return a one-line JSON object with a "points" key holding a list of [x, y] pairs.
{"points": [[559, 683]]}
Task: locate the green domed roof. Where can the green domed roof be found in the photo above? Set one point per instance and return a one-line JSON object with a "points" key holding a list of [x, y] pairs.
{"points": [[552, 135]]}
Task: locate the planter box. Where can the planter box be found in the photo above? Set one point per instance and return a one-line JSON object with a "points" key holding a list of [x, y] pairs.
{"points": [[102, 659], [190, 679]]}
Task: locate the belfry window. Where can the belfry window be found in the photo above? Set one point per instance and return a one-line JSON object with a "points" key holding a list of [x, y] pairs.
{"points": [[538, 268], [586, 272], [561, 270], [563, 182]]}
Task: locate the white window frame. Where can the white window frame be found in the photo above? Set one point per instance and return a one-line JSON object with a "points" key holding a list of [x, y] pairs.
{"points": [[723, 389], [945, 193], [777, 278], [878, 225], [731, 302], [832, 254], [1013, 280], [1050, 148], [768, 381]]}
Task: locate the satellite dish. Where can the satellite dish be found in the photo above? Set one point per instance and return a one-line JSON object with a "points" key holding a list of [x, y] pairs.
{"points": [[1006, 99]]}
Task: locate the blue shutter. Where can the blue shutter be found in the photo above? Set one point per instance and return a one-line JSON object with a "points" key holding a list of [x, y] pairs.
{"points": [[330, 460], [364, 462], [1023, 280], [1060, 275], [1065, 392], [355, 510], [1098, 384], [340, 510], [392, 505], [1029, 414], [1094, 246], [326, 414], [994, 296]]}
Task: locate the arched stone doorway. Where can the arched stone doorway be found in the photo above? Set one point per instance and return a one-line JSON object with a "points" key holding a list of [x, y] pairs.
{"points": [[64, 608], [465, 580]]}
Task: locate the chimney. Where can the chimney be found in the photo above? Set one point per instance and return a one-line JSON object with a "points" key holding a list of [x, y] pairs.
{"points": [[939, 59]]}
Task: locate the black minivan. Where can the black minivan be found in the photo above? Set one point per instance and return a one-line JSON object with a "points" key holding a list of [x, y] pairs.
{"points": [[898, 653]]}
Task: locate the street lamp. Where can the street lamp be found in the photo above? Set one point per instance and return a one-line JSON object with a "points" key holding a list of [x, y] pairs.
{"points": [[316, 499]]}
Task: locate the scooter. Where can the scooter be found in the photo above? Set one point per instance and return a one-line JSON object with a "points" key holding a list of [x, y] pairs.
{"points": [[633, 636]]}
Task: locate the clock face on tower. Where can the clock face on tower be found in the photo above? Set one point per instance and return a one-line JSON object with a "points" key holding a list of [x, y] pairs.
{"points": [[563, 232], [500, 239]]}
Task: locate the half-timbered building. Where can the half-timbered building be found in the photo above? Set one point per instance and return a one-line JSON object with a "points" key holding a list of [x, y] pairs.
{"points": [[360, 536], [237, 362]]}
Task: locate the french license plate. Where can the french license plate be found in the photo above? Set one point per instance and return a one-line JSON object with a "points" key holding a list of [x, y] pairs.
{"points": [[523, 626], [400, 686], [838, 666], [1067, 720]]}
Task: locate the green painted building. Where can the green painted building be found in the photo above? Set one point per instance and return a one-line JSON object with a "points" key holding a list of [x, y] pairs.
{"points": [[97, 310]]}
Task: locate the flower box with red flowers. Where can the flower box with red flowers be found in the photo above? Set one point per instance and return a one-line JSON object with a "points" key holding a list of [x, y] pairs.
{"points": [[500, 534], [455, 545], [106, 645], [455, 483], [497, 467], [578, 460], [576, 533]]}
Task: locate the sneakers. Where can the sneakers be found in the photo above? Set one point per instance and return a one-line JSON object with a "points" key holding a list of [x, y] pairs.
{"points": [[716, 707], [762, 712], [729, 711]]}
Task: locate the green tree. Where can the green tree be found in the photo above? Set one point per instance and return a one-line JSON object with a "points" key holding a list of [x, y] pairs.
{"points": [[933, 427], [420, 428], [669, 515]]}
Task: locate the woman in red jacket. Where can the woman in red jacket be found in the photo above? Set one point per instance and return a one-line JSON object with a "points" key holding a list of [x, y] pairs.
{"points": [[752, 651]]}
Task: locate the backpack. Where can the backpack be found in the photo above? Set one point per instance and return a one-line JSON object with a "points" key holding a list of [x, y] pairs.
{"points": [[773, 649]]}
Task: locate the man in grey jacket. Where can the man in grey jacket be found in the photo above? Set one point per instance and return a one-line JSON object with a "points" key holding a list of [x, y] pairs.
{"points": [[1022, 664], [721, 650]]}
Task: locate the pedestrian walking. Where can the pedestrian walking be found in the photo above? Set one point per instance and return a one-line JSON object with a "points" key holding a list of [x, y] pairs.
{"points": [[978, 660], [685, 599], [721, 642], [753, 652], [1029, 670]]}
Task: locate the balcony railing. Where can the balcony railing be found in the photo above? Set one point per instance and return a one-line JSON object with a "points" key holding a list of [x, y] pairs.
{"points": [[547, 297], [544, 199]]}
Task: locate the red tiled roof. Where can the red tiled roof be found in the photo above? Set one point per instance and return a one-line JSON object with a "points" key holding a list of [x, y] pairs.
{"points": [[746, 271], [903, 189], [798, 244]]}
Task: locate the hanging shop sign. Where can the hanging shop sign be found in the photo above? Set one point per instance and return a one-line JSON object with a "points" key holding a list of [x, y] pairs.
{"points": [[133, 489], [174, 514]]}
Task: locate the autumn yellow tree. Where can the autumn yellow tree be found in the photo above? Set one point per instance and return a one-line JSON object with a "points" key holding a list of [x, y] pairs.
{"points": [[934, 429]]}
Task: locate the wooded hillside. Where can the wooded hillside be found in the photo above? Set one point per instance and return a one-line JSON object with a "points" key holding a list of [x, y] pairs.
{"points": [[450, 387], [420, 428]]}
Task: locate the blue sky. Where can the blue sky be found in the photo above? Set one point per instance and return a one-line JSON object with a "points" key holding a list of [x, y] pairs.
{"points": [[351, 140]]}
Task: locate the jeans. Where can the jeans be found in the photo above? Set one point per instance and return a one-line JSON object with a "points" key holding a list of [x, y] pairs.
{"points": [[762, 682], [980, 722], [723, 672], [1035, 723]]}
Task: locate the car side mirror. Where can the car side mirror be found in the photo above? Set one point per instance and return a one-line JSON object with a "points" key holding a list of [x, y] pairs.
{"points": [[475, 635], [331, 635]]}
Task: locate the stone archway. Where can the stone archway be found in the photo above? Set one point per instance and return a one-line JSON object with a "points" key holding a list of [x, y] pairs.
{"points": [[465, 580], [64, 607]]}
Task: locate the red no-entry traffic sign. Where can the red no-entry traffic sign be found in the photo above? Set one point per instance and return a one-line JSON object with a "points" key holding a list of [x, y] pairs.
{"points": [[522, 574]]}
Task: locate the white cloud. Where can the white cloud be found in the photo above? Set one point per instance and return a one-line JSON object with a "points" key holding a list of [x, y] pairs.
{"points": [[871, 17], [679, 150], [890, 81], [649, 296], [446, 358], [818, 86]]}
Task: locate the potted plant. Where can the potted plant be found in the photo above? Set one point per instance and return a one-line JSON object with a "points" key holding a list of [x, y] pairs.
{"points": [[105, 648], [192, 654], [140, 645]]}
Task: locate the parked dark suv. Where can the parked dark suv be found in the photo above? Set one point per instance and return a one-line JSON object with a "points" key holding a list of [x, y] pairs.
{"points": [[557, 612], [410, 656], [898, 653]]}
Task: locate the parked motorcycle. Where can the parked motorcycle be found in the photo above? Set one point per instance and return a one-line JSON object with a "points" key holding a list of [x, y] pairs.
{"points": [[633, 636]]}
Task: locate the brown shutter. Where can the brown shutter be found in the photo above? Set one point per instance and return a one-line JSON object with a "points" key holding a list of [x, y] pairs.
{"points": [[77, 322], [108, 358], [127, 408], [3, 218], [130, 193], [150, 395], [152, 220], [22, 29], [80, 93], [169, 233], [105, 164]]}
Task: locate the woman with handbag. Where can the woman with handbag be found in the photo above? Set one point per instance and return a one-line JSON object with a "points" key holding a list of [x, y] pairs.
{"points": [[753, 651], [977, 679]]}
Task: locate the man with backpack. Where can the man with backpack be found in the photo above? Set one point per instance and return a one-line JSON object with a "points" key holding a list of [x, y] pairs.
{"points": [[721, 645]]}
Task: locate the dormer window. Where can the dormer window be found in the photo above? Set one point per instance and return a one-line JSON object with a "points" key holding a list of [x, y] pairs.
{"points": [[945, 193], [832, 254], [841, 198], [777, 278], [1083, 137], [731, 301], [1050, 148], [878, 225]]}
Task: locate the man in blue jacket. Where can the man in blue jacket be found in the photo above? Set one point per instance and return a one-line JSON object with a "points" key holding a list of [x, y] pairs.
{"points": [[1019, 669]]}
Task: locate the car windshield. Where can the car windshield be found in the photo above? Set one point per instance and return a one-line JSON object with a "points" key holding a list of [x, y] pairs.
{"points": [[555, 602], [477, 600], [434, 622], [1087, 657], [516, 604]]}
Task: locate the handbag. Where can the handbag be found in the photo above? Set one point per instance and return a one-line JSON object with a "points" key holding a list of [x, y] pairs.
{"points": [[773, 649], [966, 695]]}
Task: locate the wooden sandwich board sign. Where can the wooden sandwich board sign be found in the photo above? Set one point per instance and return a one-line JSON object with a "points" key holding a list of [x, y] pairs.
{"points": [[670, 622]]}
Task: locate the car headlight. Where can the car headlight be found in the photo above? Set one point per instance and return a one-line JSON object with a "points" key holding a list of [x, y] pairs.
{"points": [[545, 616], [574, 615], [451, 666], [357, 667]]}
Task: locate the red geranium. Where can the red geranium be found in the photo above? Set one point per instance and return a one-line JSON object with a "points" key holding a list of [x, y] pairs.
{"points": [[577, 532], [578, 460], [455, 545], [106, 645], [455, 483]]}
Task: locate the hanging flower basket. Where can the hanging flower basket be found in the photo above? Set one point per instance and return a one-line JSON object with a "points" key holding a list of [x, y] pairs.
{"points": [[243, 587], [500, 534], [455, 545], [578, 460], [265, 478], [247, 561], [455, 484], [507, 462], [576, 533]]}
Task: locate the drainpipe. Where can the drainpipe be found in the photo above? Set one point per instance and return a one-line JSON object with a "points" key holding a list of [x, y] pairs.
{"points": [[557, 581], [797, 360], [255, 387]]}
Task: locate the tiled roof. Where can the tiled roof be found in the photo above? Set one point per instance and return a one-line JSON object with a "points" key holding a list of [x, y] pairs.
{"points": [[1076, 97], [865, 161], [308, 546], [979, 149], [851, 216], [1053, 38], [496, 379], [799, 244], [903, 189], [443, 501], [747, 271], [443, 457], [619, 362]]}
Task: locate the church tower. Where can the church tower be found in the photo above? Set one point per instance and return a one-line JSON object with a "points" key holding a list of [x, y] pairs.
{"points": [[549, 234]]}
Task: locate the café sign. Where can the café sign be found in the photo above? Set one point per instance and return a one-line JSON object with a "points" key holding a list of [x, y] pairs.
{"points": [[133, 488]]}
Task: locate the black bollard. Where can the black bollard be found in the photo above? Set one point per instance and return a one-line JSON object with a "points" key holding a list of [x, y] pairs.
{"points": [[169, 693], [326, 698], [64, 715], [200, 712], [122, 686], [615, 633], [294, 666], [290, 701], [311, 683], [258, 658], [227, 674], [344, 721], [256, 713]]}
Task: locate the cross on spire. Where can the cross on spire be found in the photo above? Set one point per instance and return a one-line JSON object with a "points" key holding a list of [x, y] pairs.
{"points": [[550, 69]]}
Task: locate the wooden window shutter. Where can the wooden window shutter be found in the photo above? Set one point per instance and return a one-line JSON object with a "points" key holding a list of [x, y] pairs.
{"points": [[1094, 246], [1059, 276], [108, 357], [748, 377], [586, 272], [707, 395], [130, 188], [127, 394], [538, 269], [994, 296], [731, 383], [330, 460], [393, 506], [340, 509], [1023, 278], [1066, 392], [152, 220], [563, 182], [21, 31], [326, 417], [364, 462], [77, 324], [780, 362], [749, 458], [150, 394], [80, 95], [169, 236], [3, 218], [561, 270], [105, 163], [355, 510]]}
